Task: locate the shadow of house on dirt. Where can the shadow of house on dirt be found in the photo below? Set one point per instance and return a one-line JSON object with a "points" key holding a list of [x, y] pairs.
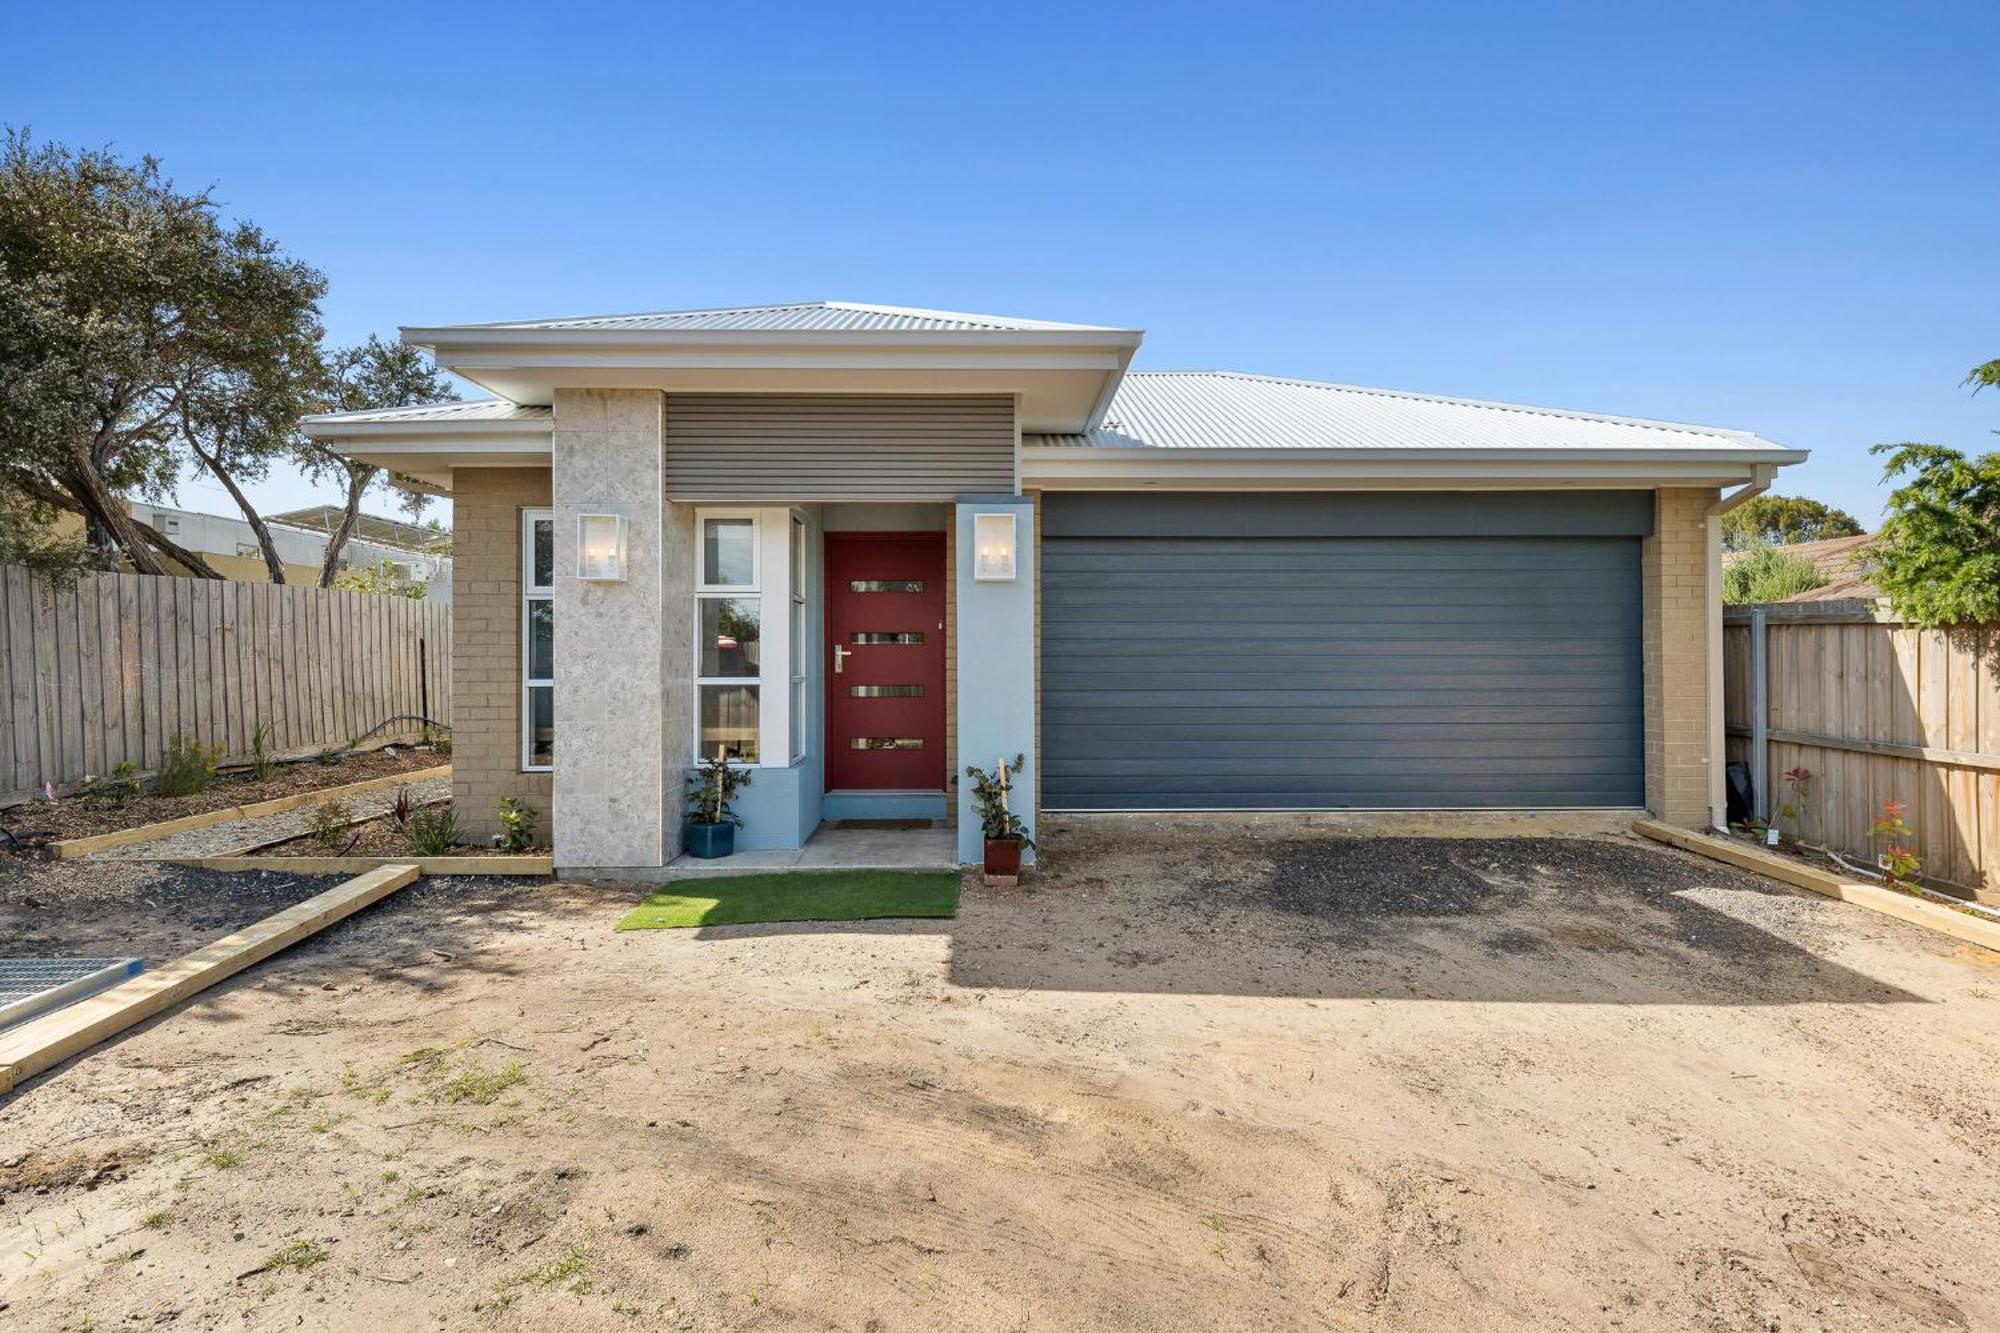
{"points": [[1521, 920], [1183, 910]]}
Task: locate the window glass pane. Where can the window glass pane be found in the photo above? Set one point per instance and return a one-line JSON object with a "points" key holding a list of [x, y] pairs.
{"points": [[798, 719], [545, 552], [798, 638], [541, 725], [729, 720], [729, 552], [729, 636], [798, 558], [541, 639]]}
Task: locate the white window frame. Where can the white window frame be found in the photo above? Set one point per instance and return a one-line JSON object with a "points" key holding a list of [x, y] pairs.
{"points": [[532, 592], [771, 587], [798, 530]]}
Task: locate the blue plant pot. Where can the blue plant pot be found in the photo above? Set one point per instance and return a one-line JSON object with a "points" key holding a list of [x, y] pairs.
{"points": [[709, 841]]}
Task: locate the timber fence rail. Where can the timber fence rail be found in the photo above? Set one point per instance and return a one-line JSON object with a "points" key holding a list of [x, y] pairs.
{"points": [[105, 669], [1876, 710]]}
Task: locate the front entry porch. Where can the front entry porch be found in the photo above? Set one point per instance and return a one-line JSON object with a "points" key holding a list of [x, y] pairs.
{"points": [[875, 846]]}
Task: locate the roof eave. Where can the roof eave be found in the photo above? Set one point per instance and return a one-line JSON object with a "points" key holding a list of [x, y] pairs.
{"points": [[569, 341]]}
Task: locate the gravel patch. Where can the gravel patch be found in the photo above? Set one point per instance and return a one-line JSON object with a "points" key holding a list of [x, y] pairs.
{"points": [[241, 834]]}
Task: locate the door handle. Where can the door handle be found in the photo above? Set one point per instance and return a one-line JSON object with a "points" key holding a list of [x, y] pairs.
{"points": [[840, 655]]}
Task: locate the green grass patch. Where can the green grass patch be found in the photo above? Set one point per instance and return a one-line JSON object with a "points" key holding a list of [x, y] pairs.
{"points": [[828, 895]]}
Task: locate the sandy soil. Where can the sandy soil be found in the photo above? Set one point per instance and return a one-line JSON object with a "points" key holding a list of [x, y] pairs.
{"points": [[1244, 1077], [82, 817]]}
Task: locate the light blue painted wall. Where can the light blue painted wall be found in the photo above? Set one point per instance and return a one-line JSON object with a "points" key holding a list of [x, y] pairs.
{"points": [[996, 666]]}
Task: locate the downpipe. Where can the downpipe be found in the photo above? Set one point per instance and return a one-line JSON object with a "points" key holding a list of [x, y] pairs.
{"points": [[1761, 476]]}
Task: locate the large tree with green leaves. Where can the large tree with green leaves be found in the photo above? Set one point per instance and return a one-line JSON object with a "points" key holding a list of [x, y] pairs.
{"points": [[1937, 556], [135, 324], [1780, 520], [375, 374]]}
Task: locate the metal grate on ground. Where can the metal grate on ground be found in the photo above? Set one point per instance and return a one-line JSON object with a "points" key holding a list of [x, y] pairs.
{"points": [[33, 986]]}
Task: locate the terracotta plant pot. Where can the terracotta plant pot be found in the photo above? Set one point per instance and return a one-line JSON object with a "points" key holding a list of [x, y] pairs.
{"points": [[710, 841], [1003, 860]]}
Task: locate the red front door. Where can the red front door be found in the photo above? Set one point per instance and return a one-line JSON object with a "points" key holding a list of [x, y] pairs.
{"points": [[885, 661]]}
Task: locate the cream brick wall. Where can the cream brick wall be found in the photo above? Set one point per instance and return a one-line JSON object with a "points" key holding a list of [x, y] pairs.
{"points": [[486, 645], [1674, 569]]}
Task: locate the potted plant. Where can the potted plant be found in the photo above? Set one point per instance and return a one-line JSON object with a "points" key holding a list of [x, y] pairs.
{"points": [[711, 824], [1006, 835]]}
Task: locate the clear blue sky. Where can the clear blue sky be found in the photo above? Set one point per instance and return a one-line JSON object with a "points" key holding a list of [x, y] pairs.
{"points": [[1775, 217]]}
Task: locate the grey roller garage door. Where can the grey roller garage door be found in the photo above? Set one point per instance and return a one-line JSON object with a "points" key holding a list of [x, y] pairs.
{"points": [[1303, 672]]}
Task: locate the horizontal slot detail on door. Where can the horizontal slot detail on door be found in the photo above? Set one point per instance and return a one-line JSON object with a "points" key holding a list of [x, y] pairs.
{"points": [[886, 691], [874, 636], [886, 743], [885, 585]]}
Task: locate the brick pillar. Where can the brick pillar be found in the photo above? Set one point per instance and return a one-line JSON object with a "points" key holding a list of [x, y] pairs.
{"points": [[486, 644], [1677, 625]]}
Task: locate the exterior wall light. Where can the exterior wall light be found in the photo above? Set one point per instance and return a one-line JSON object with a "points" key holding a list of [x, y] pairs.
{"points": [[600, 547], [993, 548]]}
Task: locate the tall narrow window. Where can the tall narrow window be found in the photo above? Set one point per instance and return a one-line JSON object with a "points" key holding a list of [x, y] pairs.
{"points": [[798, 664], [728, 638], [538, 640]]}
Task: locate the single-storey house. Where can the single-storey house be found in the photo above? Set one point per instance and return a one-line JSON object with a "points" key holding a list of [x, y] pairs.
{"points": [[858, 547]]}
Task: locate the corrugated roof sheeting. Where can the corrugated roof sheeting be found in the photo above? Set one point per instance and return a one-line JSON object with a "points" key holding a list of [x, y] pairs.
{"points": [[797, 317], [1172, 409], [483, 409]]}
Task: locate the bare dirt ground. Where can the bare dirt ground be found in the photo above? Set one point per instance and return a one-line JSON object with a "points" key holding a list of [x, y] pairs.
{"points": [[1195, 1077]]}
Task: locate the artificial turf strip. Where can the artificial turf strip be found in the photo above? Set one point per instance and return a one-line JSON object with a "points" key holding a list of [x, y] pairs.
{"points": [[819, 895]]}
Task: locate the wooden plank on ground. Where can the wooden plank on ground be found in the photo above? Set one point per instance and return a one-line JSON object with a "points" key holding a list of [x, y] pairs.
{"points": [[1918, 911], [41, 1044], [350, 865], [277, 805]]}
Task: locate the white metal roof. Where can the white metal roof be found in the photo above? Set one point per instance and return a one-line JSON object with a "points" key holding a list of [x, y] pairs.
{"points": [[480, 409], [1228, 410], [796, 317]]}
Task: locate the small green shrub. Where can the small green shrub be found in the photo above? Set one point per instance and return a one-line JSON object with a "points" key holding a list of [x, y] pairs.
{"points": [[260, 751], [433, 832], [120, 787], [187, 767], [1769, 574], [517, 824], [328, 825]]}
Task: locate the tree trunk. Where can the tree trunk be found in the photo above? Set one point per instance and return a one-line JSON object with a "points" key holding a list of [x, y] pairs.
{"points": [[37, 489], [275, 566], [359, 477], [105, 510]]}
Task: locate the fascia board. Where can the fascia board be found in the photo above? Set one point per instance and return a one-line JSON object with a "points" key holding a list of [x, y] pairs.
{"points": [[548, 340]]}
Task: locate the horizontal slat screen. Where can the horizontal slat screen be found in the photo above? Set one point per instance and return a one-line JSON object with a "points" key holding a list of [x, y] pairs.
{"points": [[754, 448]]}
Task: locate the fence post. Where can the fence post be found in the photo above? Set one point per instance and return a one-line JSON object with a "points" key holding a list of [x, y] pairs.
{"points": [[1760, 717]]}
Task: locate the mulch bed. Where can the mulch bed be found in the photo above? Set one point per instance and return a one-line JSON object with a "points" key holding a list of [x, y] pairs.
{"points": [[79, 817], [376, 837]]}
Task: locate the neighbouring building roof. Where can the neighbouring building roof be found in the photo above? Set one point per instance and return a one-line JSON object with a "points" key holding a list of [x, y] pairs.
{"points": [[1220, 409], [797, 317], [370, 527], [1840, 559]]}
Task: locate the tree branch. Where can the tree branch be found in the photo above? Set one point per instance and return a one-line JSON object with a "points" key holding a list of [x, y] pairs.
{"points": [[37, 489]]}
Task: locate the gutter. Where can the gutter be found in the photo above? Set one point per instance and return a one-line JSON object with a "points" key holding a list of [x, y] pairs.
{"points": [[1761, 477]]}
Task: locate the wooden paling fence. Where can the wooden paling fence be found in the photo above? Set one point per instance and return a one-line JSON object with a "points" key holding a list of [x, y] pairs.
{"points": [[1876, 710], [107, 669]]}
